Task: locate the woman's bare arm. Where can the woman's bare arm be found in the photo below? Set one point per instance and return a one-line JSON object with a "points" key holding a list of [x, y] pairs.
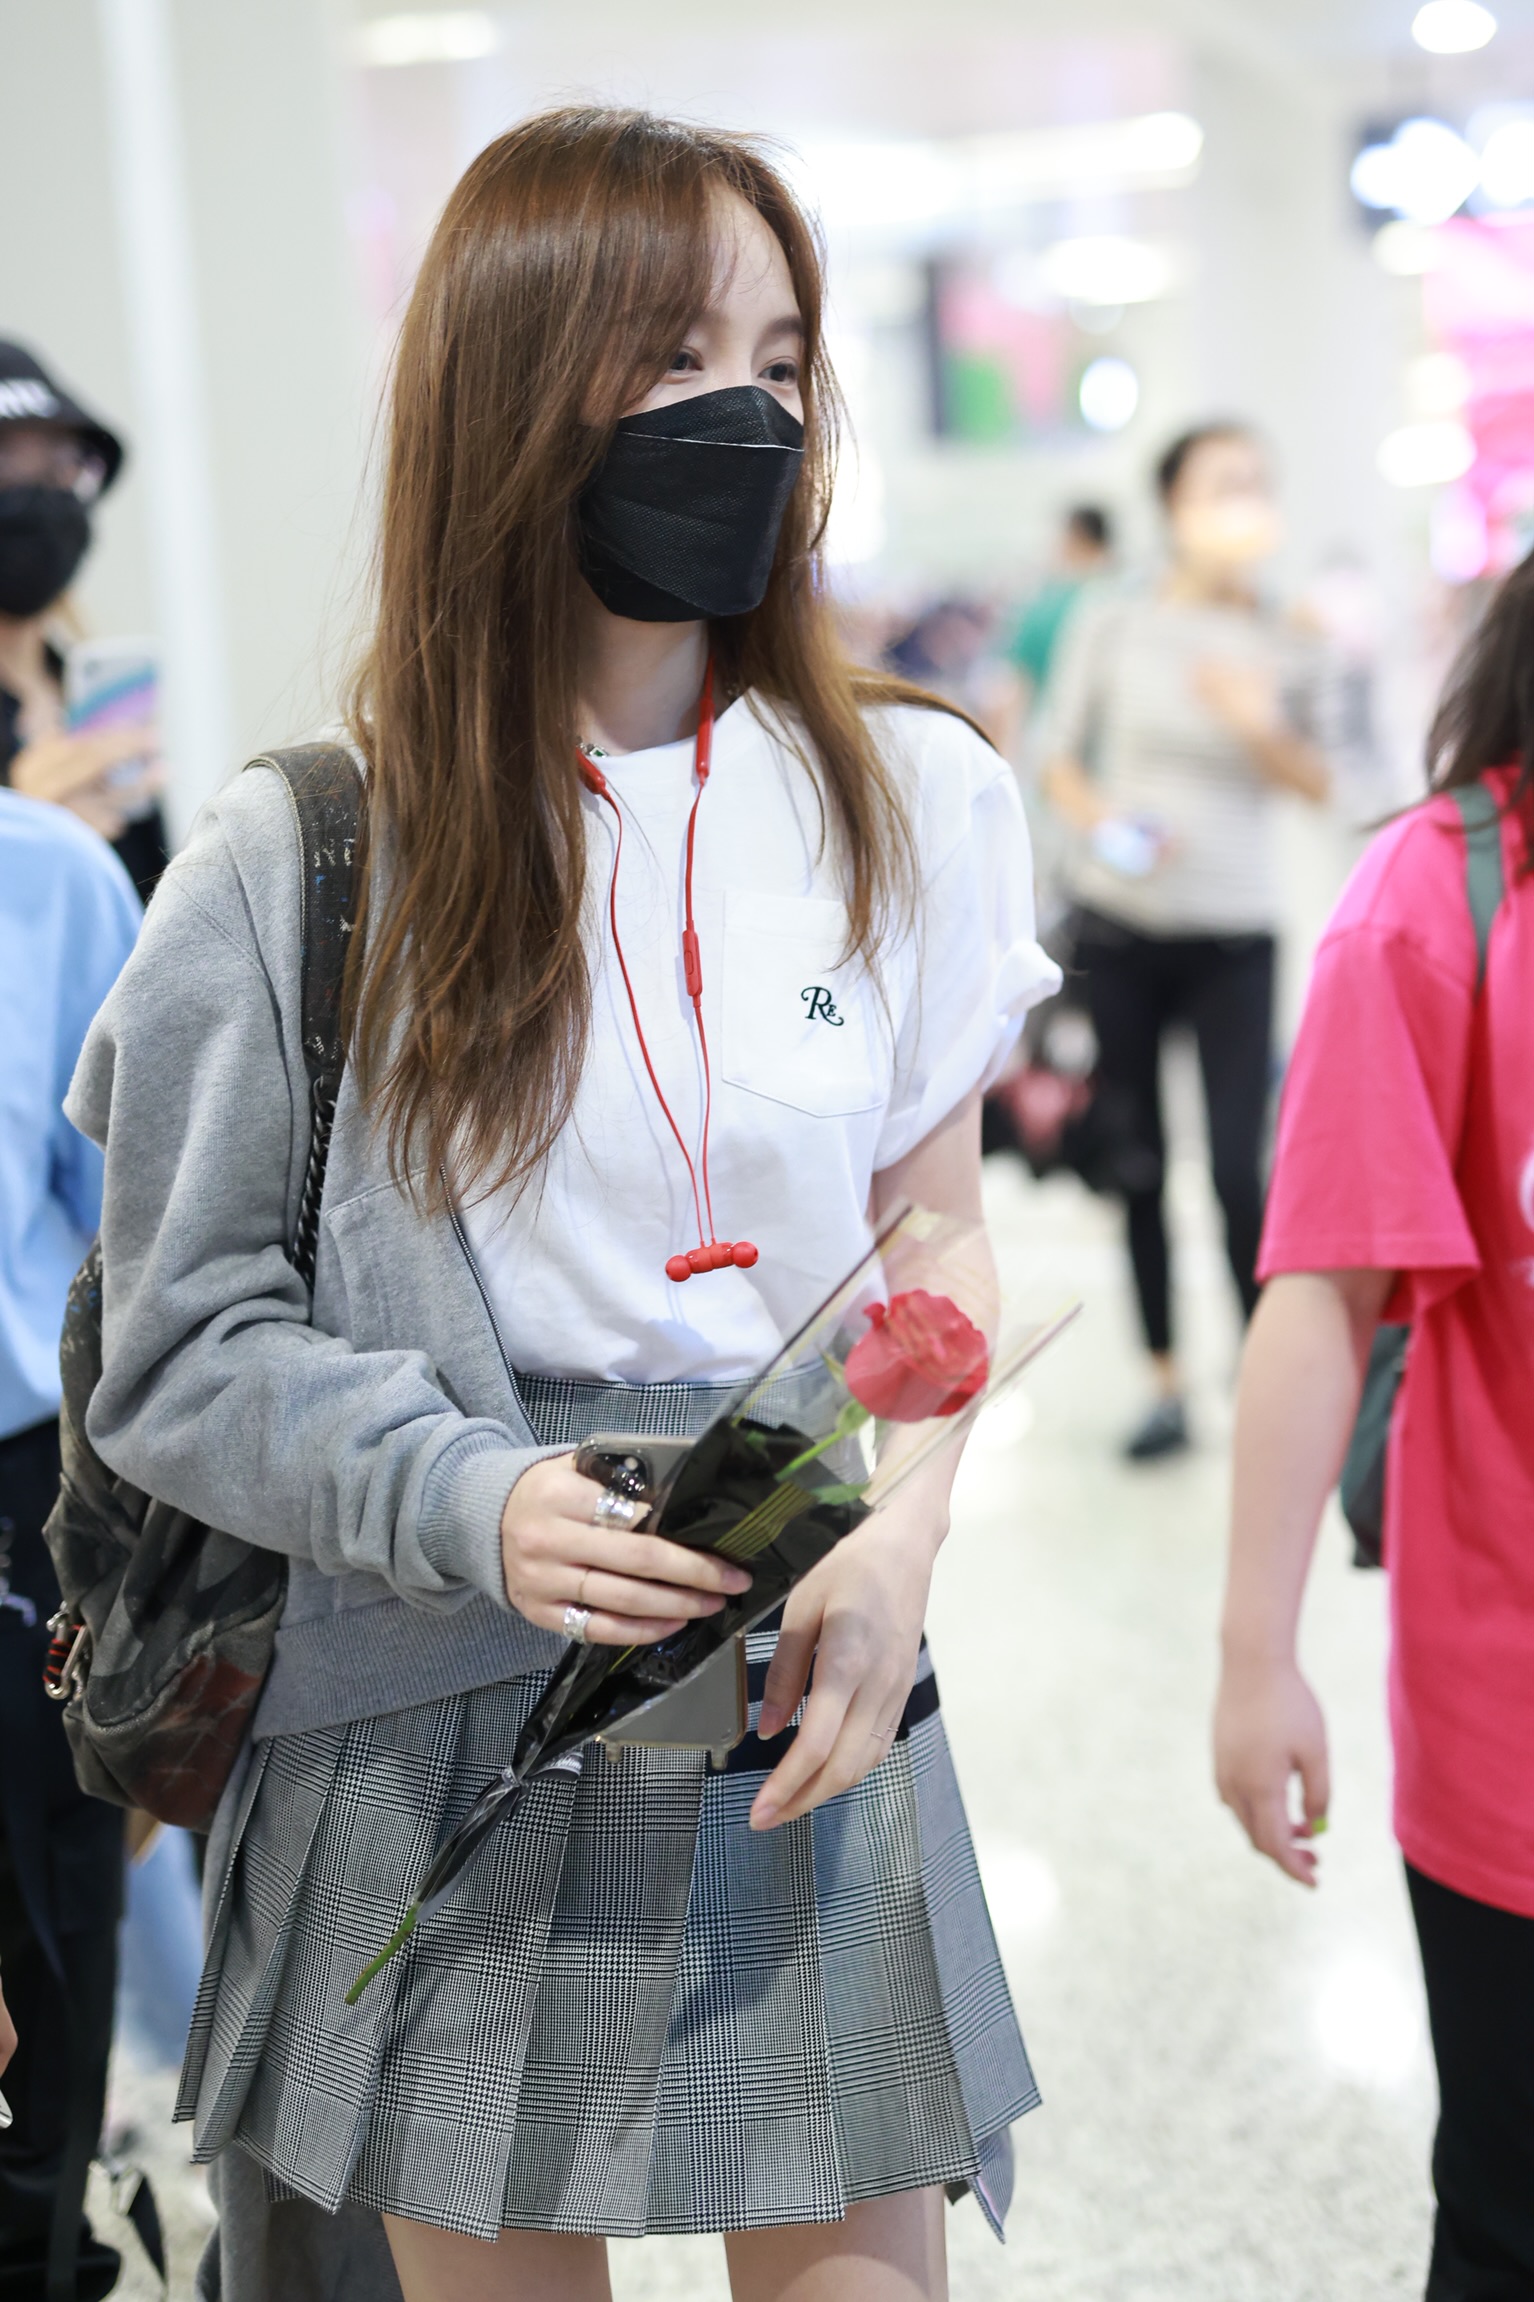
{"points": [[858, 1617], [1245, 699], [1301, 1377]]}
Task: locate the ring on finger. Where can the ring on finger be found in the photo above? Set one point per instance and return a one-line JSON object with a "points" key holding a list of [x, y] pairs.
{"points": [[576, 1620], [612, 1509], [580, 1588]]}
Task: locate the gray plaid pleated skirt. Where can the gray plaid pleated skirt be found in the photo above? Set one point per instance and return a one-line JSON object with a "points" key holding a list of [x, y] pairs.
{"points": [[634, 2014]]}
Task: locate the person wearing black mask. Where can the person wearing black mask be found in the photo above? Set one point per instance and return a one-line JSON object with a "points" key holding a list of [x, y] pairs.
{"points": [[767, 1999], [55, 460]]}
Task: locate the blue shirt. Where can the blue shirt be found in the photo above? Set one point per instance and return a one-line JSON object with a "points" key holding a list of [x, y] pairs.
{"points": [[68, 917]]}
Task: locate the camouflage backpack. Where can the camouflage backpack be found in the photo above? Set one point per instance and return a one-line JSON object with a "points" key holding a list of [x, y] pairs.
{"points": [[166, 1629]]}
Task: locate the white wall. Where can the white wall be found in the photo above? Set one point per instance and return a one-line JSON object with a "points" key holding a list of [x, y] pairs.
{"points": [[277, 336], [59, 285]]}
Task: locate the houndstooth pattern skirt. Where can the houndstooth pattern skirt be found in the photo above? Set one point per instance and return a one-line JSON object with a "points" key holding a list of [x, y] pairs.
{"points": [[634, 2013]]}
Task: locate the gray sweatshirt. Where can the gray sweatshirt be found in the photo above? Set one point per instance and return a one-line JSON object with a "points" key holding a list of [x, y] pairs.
{"points": [[376, 1443]]}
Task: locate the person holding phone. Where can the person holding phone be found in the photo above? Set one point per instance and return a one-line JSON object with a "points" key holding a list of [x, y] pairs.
{"points": [[1174, 713], [671, 919], [56, 460]]}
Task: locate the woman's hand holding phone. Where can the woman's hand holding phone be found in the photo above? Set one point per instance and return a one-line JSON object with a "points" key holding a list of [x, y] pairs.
{"points": [[639, 1588], [80, 771]]}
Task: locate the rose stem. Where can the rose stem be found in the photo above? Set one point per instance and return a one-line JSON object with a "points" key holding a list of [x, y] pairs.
{"points": [[852, 1418], [396, 1941]]}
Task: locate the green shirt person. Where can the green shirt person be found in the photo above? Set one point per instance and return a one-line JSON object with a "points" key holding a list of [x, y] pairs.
{"points": [[1085, 550]]}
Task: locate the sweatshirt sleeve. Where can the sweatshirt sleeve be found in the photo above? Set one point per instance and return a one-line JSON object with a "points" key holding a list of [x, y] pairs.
{"points": [[217, 1395]]}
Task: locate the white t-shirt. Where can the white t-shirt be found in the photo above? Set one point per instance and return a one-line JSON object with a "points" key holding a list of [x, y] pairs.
{"points": [[819, 1081]]}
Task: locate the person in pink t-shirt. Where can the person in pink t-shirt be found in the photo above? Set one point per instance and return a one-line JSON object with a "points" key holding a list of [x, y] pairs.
{"points": [[1403, 1189]]}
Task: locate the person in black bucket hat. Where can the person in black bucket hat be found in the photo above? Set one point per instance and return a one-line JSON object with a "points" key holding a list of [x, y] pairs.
{"points": [[61, 1853], [56, 459]]}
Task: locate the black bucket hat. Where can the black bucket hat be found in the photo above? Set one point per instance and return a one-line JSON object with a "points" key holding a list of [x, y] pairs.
{"points": [[29, 395]]}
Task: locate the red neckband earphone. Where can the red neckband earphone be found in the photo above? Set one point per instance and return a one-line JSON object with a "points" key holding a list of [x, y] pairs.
{"points": [[712, 1253]]}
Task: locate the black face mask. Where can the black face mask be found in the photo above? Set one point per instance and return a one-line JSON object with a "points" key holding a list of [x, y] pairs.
{"points": [[682, 518], [44, 535]]}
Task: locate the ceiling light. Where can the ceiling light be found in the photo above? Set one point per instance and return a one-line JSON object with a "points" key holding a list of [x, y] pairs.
{"points": [[448, 36], [1425, 172], [1405, 250], [1426, 455], [1106, 270], [1452, 27], [1108, 394], [1507, 164], [871, 186]]}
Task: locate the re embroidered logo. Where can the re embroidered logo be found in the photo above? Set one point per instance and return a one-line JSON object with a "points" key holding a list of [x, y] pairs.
{"points": [[822, 1007]]}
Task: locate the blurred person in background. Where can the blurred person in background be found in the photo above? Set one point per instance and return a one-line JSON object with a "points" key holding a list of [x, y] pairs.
{"points": [[68, 918], [949, 651], [1083, 555], [1403, 1191], [1175, 712], [55, 460]]}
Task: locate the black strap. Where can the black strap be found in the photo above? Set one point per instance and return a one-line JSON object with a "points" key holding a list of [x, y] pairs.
{"points": [[325, 787], [1485, 879]]}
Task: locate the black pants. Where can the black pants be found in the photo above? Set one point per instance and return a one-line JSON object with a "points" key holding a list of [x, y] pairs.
{"points": [[1478, 1964], [1222, 987], [61, 1870]]}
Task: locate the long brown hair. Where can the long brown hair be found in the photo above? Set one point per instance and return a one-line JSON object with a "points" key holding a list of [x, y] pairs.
{"points": [[1486, 716], [569, 264]]}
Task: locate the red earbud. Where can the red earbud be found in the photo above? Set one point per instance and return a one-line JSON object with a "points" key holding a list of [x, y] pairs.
{"points": [[717, 1256]]}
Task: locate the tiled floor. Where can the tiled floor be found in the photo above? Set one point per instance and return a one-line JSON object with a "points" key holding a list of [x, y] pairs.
{"points": [[1238, 2099]]}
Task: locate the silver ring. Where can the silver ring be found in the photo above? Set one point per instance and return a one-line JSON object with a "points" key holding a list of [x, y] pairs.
{"points": [[576, 1619], [610, 1506]]}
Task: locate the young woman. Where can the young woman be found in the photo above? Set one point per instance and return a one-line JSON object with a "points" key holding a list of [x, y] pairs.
{"points": [[1404, 1190], [765, 2001], [1173, 715]]}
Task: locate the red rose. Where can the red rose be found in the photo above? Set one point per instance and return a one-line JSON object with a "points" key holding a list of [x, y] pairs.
{"points": [[920, 1357]]}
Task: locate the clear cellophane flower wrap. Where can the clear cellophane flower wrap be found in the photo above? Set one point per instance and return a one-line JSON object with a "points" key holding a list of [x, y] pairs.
{"points": [[891, 1370]]}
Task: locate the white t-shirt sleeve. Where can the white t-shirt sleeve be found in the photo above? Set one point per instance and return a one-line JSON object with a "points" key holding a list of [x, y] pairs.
{"points": [[978, 965]]}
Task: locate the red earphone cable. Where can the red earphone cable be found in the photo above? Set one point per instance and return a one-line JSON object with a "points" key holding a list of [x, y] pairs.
{"points": [[603, 792], [714, 1254], [692, 957]]}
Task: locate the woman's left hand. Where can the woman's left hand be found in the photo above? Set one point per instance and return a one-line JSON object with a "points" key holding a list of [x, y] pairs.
{"points": [[859, 1618]]}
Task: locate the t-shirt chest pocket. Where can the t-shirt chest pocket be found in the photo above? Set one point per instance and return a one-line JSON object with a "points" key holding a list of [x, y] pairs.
{"points": [[801, 1025]]}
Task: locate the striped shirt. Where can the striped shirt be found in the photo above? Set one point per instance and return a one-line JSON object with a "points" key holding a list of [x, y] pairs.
{"points": [[1123, 700]]}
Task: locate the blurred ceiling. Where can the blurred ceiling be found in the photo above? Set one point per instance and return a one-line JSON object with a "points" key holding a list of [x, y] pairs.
{"points": [[1300, 31], [905, 62]]}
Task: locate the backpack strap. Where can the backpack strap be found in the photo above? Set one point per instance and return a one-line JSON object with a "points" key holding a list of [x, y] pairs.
{"points": [[325, 788], [1485, 879]]}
